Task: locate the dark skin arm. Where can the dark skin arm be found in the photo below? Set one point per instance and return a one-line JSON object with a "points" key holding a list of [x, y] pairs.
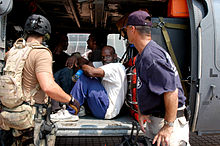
{"points": [[93, 72], [72, 61], [81, 61], [77, 61], [88, 68]]}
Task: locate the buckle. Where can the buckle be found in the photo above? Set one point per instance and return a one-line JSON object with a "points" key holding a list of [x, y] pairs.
{"points": [[161, 24]]}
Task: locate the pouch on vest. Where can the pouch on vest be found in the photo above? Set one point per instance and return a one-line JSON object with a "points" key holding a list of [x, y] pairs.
{"points": [[18, 118]]}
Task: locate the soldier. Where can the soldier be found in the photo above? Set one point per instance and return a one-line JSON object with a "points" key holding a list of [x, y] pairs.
{"points": [[37, 71]]}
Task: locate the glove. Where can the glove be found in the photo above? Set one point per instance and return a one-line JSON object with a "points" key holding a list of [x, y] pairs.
{"points": [[74, 104]]}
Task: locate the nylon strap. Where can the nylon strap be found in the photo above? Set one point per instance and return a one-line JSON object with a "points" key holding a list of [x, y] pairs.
{"points": [[33, 92], [169, 46], [163, 26], [176, 26]]}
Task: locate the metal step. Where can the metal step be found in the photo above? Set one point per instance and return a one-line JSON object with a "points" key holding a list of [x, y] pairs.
{"points": [[90, 126]]}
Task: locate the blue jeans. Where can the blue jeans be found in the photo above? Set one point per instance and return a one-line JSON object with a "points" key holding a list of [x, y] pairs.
{"points": [[90, 90], [63, 78]]}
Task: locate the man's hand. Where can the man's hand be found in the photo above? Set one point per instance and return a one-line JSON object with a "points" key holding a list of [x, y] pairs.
{"points": [[82, 61], [142, 119], [163, 136], [71, 62], [75, 105]]}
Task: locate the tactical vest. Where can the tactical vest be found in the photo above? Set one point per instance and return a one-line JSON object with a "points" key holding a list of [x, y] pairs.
{"points": [[17, 105]]}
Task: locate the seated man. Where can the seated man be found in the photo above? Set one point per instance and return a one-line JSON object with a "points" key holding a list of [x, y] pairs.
{"points": [[95, 43], [60, 44], [104, 98], [63, 78]]}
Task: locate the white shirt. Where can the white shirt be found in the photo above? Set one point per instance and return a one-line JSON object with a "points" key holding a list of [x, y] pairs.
{"points": [[115, 83], [86, 54], [97, 64]]}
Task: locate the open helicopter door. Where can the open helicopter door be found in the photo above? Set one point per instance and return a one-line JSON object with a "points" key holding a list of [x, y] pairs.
{"points": [[5, 8], [205, 65]]}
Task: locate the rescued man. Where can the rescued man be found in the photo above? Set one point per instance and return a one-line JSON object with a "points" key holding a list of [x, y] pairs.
{"points": [[60, 44], [95, 43], [106, 97], [63, 76]]}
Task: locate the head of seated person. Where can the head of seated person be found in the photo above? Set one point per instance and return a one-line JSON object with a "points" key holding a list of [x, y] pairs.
{"points": [[95, 43], [108, 55], [60, 44]]}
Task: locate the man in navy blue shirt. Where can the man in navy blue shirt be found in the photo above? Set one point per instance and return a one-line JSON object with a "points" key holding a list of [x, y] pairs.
{"points": [[161, 99]]}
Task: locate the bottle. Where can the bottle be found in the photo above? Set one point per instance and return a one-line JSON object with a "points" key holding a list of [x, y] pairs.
{"points": [[77, 75]]}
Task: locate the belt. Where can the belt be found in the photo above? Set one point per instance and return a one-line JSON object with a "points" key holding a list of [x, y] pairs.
{"points": [[180, 113]]}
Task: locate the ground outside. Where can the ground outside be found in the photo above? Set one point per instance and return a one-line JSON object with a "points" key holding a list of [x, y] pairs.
{"points": [[195, 140]]}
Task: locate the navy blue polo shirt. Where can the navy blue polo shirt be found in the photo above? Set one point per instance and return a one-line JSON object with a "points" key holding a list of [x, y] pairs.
{"points": [[156, 74]]}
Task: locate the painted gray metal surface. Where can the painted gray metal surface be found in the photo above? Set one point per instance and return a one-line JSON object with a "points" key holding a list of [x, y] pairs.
{"points": [[3, 20], [209, 86], [89, 126], [196, 12], [5, 8]]}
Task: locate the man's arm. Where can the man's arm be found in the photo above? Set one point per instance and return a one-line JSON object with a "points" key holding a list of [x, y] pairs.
{"points": [[93, 72], [171, 105], [51, 88]]}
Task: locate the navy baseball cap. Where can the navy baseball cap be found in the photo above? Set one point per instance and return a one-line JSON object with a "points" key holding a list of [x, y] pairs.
{"points": [[139, 18]]}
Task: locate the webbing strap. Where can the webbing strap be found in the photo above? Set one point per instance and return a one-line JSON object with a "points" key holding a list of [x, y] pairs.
{"points": [[163, 26], [169, 25], [176, 26], [169, 46], [33, 92]]}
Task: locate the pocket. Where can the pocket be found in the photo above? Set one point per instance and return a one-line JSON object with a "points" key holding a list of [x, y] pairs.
{"points": [[6, 85], [11, 94], [182, 121], [18, 118]]}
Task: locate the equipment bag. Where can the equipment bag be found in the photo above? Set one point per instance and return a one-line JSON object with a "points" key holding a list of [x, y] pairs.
{"points": [[11, 94], [17, 104], [135, 140], [131, 100]]}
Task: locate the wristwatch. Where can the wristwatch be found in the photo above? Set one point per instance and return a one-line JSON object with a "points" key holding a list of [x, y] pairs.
{"points": [[170, 124]]}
